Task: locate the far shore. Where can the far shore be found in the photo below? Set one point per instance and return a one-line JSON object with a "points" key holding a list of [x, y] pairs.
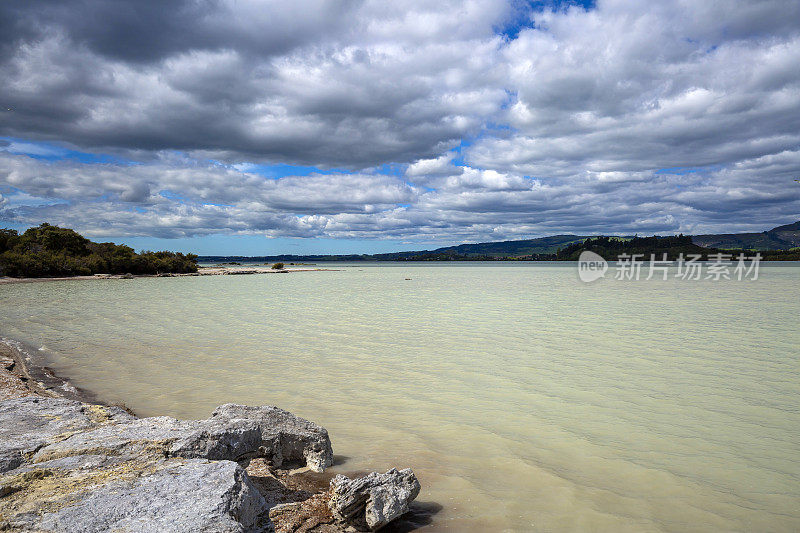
{"points": [[201, 271]]}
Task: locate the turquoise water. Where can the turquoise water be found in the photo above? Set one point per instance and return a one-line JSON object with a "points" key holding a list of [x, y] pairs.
{"points": [[524, 399]]}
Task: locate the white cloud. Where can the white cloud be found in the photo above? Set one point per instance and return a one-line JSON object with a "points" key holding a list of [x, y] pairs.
{"points": [[439, 166], [633, 87], [171, 199]]}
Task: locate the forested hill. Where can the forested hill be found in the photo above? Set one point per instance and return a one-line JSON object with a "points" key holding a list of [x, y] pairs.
{"points": [[51, 251], [544, 245], [780, 238], [610, 248]]}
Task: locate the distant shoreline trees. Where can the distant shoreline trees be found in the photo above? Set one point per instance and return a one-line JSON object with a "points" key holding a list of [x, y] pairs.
{"points": [[52, 251]]}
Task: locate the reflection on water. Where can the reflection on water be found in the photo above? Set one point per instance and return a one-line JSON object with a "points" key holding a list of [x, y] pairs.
{"points": [[523, 399]]}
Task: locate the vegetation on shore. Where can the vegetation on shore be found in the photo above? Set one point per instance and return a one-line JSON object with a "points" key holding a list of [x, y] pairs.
{"points": [[611, 247], [52, 251], [607, 247]]}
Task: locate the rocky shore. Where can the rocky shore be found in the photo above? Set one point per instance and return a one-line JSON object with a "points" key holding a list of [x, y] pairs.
{"points": [[67, 464]]}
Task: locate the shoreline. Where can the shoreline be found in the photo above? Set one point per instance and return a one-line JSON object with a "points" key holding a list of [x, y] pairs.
{"points": [[275, 491], [20, 369], [201, 271]]}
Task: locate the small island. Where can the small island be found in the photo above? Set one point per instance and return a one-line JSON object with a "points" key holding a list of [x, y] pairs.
{"points": [[49, 252]]}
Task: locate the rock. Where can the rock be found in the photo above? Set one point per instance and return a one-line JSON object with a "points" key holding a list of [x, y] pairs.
{"points": [[310, 515], [127, 438], [240, 432], [71, 466], [371, 502], [11, 385], [234, 432], [162, 495], [31, 423]]}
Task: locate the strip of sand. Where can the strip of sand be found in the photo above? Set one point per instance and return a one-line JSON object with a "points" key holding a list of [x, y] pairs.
{"points": [[202, 271]]}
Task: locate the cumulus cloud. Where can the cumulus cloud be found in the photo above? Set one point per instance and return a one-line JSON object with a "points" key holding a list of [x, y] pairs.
{"points": [[172, 199], [169, 198], [635, 86], [674, 116], [426, 168], [322, 83]]}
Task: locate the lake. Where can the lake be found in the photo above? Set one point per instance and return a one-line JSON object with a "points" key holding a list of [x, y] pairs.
{"points": [[523, 398]]}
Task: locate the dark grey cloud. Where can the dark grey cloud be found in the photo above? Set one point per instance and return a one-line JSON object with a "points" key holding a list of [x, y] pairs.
{"points": [[324, 82], [147, 30]]}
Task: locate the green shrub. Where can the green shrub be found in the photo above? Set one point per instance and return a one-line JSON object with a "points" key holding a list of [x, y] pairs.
{"points": [[50, 251], [277, 266]]}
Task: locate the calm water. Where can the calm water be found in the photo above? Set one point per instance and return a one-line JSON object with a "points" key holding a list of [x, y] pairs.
{"points": [[524, 399]]}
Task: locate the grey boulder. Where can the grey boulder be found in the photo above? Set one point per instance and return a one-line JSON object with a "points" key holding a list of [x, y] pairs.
{"points": [[240, 432], [30, 423], [67, 466], [234, 432], [371, 502], [166, 495]]}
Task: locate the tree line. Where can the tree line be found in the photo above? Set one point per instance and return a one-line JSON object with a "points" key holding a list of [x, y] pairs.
{"points": [[673, 246], [52, 251]]}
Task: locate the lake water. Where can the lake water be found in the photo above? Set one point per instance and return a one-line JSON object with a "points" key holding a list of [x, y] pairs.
{"points": [[524, 399]]}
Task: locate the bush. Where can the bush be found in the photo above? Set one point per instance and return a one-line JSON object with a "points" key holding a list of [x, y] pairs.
{"points": [[48, 251], [277, 266]]}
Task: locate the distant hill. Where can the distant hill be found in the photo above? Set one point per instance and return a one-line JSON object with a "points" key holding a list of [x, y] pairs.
{"points": [[547, 248], [543, 245], [481, 251], [780, 238]]}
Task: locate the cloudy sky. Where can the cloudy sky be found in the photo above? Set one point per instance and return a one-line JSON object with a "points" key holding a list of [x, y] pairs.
{"points": [[260, 126]]}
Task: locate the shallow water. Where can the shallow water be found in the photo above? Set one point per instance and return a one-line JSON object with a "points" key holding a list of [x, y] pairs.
{"points": [[524, 399]]}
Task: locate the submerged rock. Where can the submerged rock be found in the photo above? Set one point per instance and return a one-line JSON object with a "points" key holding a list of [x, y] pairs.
{"points": [[309, 515], [371, 502]]}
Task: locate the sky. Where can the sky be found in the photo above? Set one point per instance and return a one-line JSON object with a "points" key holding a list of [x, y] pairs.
{"points": [[262, 127]]}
